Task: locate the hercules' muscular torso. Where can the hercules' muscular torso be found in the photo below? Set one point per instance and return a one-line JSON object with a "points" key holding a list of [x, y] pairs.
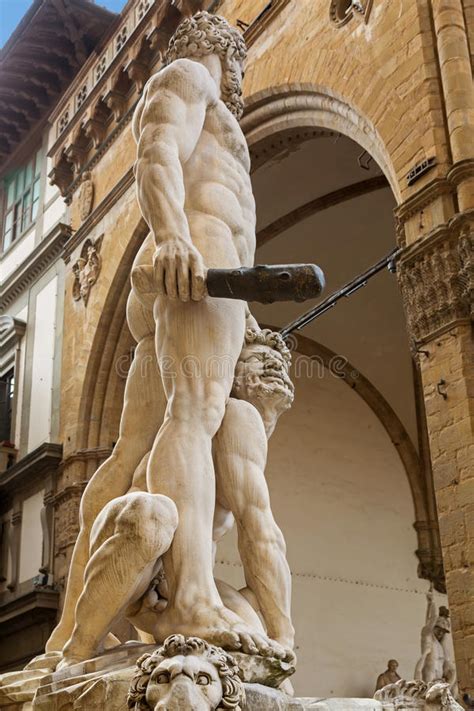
{"points": [[219, 205], [217, 182]]}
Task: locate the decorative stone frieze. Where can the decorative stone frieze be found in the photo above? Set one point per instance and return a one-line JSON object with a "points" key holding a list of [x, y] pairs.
{"points": [[87, 269], [66, 506], [436, 277]]}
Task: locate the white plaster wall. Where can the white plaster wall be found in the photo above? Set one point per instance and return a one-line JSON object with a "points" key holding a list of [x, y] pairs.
{"points": [[31, 539], [55, 212], [42, 368], [17, 254], [341, 496]]}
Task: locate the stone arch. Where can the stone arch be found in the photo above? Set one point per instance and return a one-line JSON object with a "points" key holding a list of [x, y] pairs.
{"points": [[298, 109]]}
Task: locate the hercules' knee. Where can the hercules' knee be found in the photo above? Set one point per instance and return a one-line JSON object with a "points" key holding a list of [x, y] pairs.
{"points": [[212, 414], [150, 520]]}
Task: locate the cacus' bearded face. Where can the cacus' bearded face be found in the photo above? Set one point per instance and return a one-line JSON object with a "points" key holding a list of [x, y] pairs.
{"points": [[262, 374]]}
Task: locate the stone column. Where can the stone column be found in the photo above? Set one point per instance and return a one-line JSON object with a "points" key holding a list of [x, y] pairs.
{"points": [[458, 89], [15, 548], [436, 275]]}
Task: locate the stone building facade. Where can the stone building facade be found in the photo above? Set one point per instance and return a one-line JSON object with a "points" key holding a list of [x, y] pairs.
{"points": [[360, 122]]}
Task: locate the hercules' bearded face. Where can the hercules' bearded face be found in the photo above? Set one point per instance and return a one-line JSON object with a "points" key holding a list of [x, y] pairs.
{"points": [[231, 86]]}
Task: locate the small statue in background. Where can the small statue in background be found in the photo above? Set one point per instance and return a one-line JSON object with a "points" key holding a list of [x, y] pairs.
{"points": [[389, 676], [435, 663]]}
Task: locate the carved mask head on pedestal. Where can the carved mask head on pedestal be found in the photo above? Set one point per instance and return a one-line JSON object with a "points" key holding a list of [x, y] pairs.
{"points": [[186, 673]]}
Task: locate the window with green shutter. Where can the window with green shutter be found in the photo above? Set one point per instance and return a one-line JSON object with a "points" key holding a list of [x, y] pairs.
{"points": [[21, 199]]}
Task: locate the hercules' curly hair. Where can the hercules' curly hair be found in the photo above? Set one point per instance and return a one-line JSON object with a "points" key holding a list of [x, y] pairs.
{"points": [[205, 34], [233, 690]]}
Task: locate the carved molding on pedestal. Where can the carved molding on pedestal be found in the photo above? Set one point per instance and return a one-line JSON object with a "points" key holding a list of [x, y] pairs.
{"points": [[436, 276]]}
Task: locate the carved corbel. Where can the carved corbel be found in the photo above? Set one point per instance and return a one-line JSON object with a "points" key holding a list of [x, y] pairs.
{"points": [[95, 129], [139, 72], [62, 174], [76, 154], [116, 102], [157, 38], [189, 7]]}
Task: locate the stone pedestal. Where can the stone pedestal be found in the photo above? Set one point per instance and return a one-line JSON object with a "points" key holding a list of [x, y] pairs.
{"points": [[103, 684]]}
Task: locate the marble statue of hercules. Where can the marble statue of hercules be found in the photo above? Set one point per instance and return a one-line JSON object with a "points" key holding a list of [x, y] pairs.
{"points": [[194, 191], [144, 401]]}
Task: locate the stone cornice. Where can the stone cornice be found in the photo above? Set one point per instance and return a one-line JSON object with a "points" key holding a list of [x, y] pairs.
{"points": [[41, 460], [73, 491], [449, 230], [436, 188], [46, 252], [86, 455], [98, 213]]}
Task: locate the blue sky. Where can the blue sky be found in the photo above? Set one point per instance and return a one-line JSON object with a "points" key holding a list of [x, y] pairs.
{"points": [[11, 12]]}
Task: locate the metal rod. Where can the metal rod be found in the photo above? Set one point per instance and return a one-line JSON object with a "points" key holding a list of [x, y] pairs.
{"points": [[345, 291]]}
